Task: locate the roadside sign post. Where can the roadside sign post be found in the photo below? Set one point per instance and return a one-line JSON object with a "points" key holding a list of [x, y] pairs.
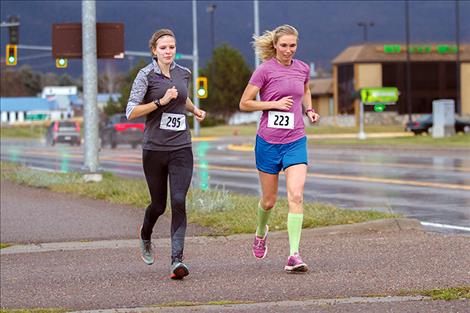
{"points": [[379, 98], [443, 117]]}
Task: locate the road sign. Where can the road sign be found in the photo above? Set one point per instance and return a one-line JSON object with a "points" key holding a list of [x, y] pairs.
{"points": [[67, 40], [384, 95], [379, 107], [36, 116]]}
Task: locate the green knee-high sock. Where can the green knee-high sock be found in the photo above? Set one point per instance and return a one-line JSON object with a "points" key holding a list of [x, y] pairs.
{"points": [[263, 217], [294, 229]]}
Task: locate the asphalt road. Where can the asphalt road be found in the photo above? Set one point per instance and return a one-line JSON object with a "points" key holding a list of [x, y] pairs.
{"points": [[84, 256], [432, 186]]}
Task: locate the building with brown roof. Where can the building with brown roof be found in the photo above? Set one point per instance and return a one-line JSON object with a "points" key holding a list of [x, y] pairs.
{"points": [[322, 95], [433, 75]]}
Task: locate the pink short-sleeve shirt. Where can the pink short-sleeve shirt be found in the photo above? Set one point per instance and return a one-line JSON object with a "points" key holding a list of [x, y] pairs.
{"points": [[276, 81]]}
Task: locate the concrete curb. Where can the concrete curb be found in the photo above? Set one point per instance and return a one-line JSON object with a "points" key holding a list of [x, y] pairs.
{"points": [[384, 225]]}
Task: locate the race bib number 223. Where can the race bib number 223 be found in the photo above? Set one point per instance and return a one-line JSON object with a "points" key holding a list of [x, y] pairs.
{"points": [[284, 120]]}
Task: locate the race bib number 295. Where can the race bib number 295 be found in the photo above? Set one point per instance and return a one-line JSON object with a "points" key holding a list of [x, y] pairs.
{"points": [[277, 119], [172, 121]]}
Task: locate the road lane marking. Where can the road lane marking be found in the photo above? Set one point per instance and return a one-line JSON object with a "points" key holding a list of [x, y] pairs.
{"points": [[355, 178], [391, 181], [445, 226], [246, 148], [249, 148]]}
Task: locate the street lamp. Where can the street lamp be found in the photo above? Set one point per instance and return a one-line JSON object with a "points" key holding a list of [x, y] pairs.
{"points": [[364, 26], [211, 9]]}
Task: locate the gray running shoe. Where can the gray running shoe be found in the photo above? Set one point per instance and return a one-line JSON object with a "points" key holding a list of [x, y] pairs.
{"points": [[147, 251], [178, 270]]}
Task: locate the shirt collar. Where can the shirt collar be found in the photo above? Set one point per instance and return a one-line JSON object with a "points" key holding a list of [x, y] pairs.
{"points": [[157, 69]]}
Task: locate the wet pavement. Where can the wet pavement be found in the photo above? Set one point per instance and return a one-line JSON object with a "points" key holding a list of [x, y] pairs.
{"points": [[431, 185], [92, 262]]}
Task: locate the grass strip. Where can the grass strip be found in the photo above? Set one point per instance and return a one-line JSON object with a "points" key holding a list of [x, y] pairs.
{"points": [[448, 294], [187, 303], [459, 140], [38, 131], [225, 213], [37, 310], [24, 131], [5, 245]]}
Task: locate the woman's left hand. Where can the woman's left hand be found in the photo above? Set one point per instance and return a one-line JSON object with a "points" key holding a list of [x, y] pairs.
{"points": [[313, 116], [199, 114]]}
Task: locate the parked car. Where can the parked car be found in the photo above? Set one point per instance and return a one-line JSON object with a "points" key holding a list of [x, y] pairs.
{"points": [[63, 132], [119, 130], [424, 123]]}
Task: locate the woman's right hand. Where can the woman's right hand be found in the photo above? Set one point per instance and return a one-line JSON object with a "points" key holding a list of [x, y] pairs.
{"points": [[284, 104], [170, 94]]}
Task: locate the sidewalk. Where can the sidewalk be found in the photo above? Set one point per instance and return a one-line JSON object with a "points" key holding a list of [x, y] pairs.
{"points": [[348, 264]]}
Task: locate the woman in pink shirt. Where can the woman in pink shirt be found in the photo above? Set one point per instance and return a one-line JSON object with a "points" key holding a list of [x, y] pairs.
{"points": [[281, 144]]}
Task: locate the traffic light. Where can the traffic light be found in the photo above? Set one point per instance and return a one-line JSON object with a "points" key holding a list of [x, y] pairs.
{"points": [[61, 62], [11, 57], [14, 30], [201, 84]]}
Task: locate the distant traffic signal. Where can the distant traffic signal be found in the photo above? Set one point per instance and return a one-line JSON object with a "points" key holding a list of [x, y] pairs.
{"points": [[11, 57], [14, 30], [201, 84], [61, 62]]}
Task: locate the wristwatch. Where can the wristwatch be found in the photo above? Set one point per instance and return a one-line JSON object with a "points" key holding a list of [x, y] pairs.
{"points": [[157, 103], [309, 110]]}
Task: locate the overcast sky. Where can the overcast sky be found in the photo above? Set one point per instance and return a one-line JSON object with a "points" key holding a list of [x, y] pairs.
{"points": [[326, 27]]}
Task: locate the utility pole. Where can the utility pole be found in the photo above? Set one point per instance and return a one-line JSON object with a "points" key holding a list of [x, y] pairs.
{"points": [[458, 104], [195, 68], [256, 24], [90, 83], [408, 65]]}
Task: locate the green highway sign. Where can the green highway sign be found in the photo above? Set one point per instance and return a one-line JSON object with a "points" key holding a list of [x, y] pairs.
{"points": [[421, 49], [384, 95], [36, 116]]}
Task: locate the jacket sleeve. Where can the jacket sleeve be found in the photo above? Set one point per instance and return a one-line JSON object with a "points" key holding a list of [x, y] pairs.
{"points": [[139, 89]]}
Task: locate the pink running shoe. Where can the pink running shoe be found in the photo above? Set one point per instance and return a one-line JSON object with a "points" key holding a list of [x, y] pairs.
{"points": [[295, 264], [259, 245]]}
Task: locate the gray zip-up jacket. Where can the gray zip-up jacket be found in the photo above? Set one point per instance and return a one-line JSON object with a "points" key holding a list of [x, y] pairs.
{"points": [[151, 84]]}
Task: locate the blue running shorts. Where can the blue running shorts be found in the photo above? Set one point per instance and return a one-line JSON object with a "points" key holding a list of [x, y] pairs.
{"points": [[272, 158]]}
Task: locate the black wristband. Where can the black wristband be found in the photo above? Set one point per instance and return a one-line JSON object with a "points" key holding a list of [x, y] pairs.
{"points": [[157, 103]]}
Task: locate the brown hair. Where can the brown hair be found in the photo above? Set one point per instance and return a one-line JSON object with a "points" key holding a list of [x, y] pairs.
{"points": [[156, 35], [264, 44]]}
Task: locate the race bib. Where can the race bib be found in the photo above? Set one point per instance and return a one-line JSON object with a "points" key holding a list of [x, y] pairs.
{"points": [[172, 121], [277, 119]]}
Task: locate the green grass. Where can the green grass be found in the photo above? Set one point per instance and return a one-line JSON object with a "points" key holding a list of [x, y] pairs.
{"points": [[447, 294], [29, 131], [5, 245], [225, 213], [459, 140], [250, 130], [37, 310], [187, 303]]}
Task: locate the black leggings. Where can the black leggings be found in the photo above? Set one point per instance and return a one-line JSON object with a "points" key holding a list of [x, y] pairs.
{"points": [[158, 167]]}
